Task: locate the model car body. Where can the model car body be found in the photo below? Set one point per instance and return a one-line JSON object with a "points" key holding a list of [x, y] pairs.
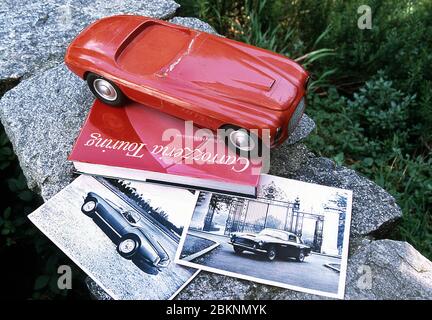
{"points": [[121, 227], [213, 81], [272, 243]]}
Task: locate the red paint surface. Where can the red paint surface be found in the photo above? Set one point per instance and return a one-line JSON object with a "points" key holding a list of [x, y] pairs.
{"points": [[138, 124], [192, 75]]}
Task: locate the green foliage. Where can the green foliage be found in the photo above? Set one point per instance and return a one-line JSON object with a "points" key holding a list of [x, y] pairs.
{"points": [[365, 129], [370, 133], [6, 154], [399, 43], [253, 29], [377, 123], [17, 233]]}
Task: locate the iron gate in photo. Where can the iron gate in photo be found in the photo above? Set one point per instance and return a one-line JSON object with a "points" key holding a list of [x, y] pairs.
{"points": [[255, 215]]}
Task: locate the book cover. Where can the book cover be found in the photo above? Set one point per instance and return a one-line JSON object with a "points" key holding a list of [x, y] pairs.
{"points": [[142, 143]]}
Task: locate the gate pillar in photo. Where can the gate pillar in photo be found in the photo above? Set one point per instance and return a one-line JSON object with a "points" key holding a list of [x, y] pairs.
{"points": [[330, 232], [201, 211]]}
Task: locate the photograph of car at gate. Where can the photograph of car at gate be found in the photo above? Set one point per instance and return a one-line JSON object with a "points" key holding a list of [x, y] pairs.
{"points": [[293, 235]]}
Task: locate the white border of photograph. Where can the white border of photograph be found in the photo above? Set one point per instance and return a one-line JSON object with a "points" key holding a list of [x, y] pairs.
{"points": [[344, 256], [100, 284], [79, 187]]}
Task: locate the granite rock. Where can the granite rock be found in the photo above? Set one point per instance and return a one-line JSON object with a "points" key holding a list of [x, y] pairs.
{"points": [[374, 211], [381, 269], [387, 269], [34, 34], [42, 117], [96, 291], [194, 23], [305, 127]]}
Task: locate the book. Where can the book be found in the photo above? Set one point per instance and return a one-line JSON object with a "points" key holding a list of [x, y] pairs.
{"points": [[137, 142]]}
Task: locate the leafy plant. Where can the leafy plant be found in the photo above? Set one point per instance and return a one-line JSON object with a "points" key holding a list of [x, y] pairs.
{"points": [[21, 245], [370, 134]]}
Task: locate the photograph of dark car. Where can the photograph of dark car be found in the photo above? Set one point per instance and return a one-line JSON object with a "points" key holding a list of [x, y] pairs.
{"points": [[272, 243], [122, 227]]}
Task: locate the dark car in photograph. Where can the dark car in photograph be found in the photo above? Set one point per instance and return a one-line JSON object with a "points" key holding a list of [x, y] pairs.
{"points": [[121, 226], [272, 243]]}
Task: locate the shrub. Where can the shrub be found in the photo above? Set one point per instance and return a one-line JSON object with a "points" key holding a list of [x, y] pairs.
{"points": [[369, 133], [379, 127]]}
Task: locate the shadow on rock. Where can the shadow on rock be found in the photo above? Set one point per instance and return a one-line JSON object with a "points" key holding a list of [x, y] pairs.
{"points": [[146, 267]]}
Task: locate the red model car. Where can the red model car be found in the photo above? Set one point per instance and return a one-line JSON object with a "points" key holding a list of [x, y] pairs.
{"points": [[213, 81]]}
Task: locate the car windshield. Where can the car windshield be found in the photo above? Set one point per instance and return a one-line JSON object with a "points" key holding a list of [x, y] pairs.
{"points": [[131, 216], [292, 238], [274, 233]]}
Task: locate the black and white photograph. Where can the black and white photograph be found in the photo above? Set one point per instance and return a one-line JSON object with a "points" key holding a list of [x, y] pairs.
{"points": [[123, 234], [293, 235]]}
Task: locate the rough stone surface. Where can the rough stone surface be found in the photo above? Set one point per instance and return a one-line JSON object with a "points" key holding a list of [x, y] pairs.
{"points": [[34, 34], [193, 23], [397, 271], [42, 117], [374, 210], [287, 159], [96, 291], [303, 129]]}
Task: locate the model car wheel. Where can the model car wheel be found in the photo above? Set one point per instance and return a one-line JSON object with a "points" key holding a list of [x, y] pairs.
{"points": [[271, 253], [89, 207], [301, 256], [238, 250], [105, 90], [242, 141], [128, 246]]}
